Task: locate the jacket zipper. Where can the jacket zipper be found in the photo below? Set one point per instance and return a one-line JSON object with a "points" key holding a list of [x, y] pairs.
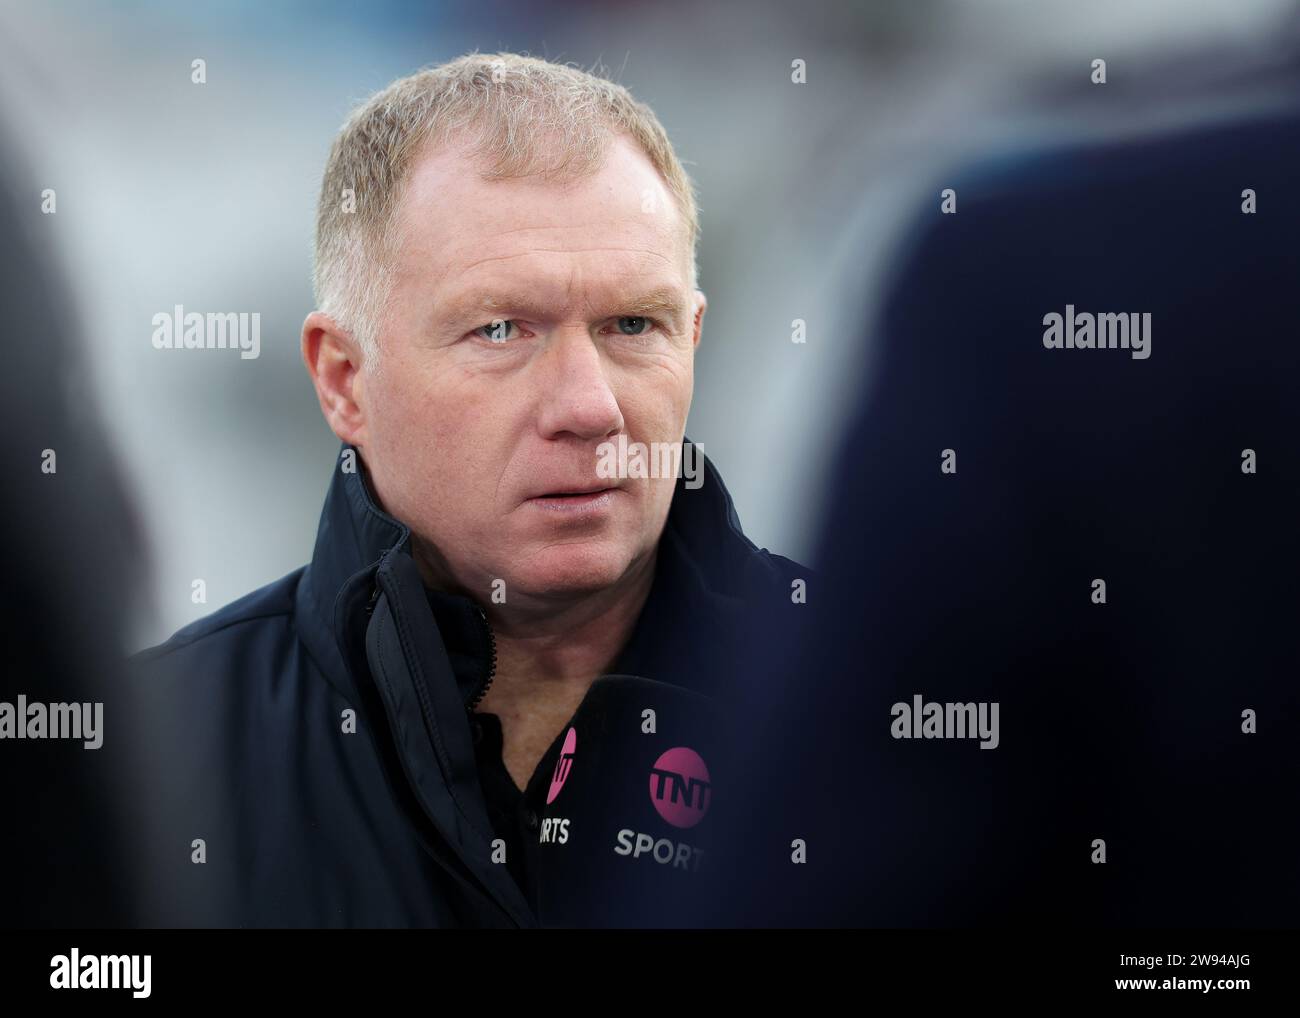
{"points": [[475, 881], [492, 648], [492, 663]]}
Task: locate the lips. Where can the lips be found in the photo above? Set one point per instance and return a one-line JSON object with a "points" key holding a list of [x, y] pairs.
{"points": [[574, 491], [582, 501]]}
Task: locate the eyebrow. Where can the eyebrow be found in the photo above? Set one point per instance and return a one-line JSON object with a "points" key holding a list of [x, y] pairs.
{"points": [[663, 301]]}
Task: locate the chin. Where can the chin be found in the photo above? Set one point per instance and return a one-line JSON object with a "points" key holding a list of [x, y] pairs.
{"points": [[573, 568]]}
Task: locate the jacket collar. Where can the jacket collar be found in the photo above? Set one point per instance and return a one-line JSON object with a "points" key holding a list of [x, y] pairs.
{"points": [[705, 563]]}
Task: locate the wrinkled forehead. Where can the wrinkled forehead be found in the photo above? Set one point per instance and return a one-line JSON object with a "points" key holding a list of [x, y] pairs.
{"points": [[450, 221]]}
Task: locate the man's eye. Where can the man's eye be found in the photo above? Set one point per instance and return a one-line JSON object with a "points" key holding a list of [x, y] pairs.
{"points": [[498, 331], [634, 325]]}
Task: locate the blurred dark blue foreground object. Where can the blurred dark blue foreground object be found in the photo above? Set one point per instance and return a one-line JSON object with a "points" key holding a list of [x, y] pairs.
{"points": [[1119, 721]]}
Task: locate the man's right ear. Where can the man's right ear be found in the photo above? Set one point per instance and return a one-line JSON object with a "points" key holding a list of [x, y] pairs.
{"points": [[334, 360]]}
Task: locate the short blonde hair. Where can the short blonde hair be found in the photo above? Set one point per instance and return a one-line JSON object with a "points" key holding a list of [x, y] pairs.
{"points": [[526, 116]]}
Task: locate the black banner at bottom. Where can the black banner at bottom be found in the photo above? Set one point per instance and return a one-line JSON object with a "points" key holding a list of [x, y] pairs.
{"points": [[164, 968]]}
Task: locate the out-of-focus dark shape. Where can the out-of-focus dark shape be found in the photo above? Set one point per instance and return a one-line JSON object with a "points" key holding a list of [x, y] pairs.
{"points": [[70, 548], [1120, 721]]}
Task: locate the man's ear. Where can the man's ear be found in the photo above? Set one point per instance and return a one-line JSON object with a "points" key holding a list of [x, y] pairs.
{"points": [[701, 305], [333, 360]]}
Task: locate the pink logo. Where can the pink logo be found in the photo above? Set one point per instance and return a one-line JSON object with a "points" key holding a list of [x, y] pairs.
{"points": [[563, 765], [680, 787]]}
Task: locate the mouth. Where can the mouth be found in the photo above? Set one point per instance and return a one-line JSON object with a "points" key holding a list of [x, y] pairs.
{"points": [[592, 487], [577, 499]]}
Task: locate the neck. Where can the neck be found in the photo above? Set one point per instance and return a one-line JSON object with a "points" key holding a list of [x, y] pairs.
{"points": [[557, 639], [574, 640], [548, 655]]}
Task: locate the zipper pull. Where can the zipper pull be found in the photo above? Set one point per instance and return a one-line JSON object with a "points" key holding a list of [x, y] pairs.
{"points": [[477, 698]]}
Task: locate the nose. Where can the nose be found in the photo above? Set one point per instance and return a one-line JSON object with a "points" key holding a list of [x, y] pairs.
{"points": [[577, 398]]}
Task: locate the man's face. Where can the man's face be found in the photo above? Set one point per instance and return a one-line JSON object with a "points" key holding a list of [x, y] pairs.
{"points": [[469, 426]]}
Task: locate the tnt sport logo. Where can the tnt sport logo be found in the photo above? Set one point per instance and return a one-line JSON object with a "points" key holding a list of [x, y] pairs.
{"points": [[555, 830], [681, 791], [679, 787], [563, 765]]}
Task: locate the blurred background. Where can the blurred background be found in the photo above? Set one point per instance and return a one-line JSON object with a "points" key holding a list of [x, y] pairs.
{"points": [[170, 192]]}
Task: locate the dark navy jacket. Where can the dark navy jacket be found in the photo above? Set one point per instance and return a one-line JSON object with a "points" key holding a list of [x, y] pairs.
{"points": [[264, 802]]}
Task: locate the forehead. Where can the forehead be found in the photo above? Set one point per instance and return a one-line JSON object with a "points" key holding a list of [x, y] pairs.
{"points": [[456, 230]]}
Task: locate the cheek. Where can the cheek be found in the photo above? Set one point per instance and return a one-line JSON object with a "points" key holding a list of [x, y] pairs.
{"points": [[415, 409], [398, 412], [409, 442], [655, 405], [656, 398], [452, 432]]}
